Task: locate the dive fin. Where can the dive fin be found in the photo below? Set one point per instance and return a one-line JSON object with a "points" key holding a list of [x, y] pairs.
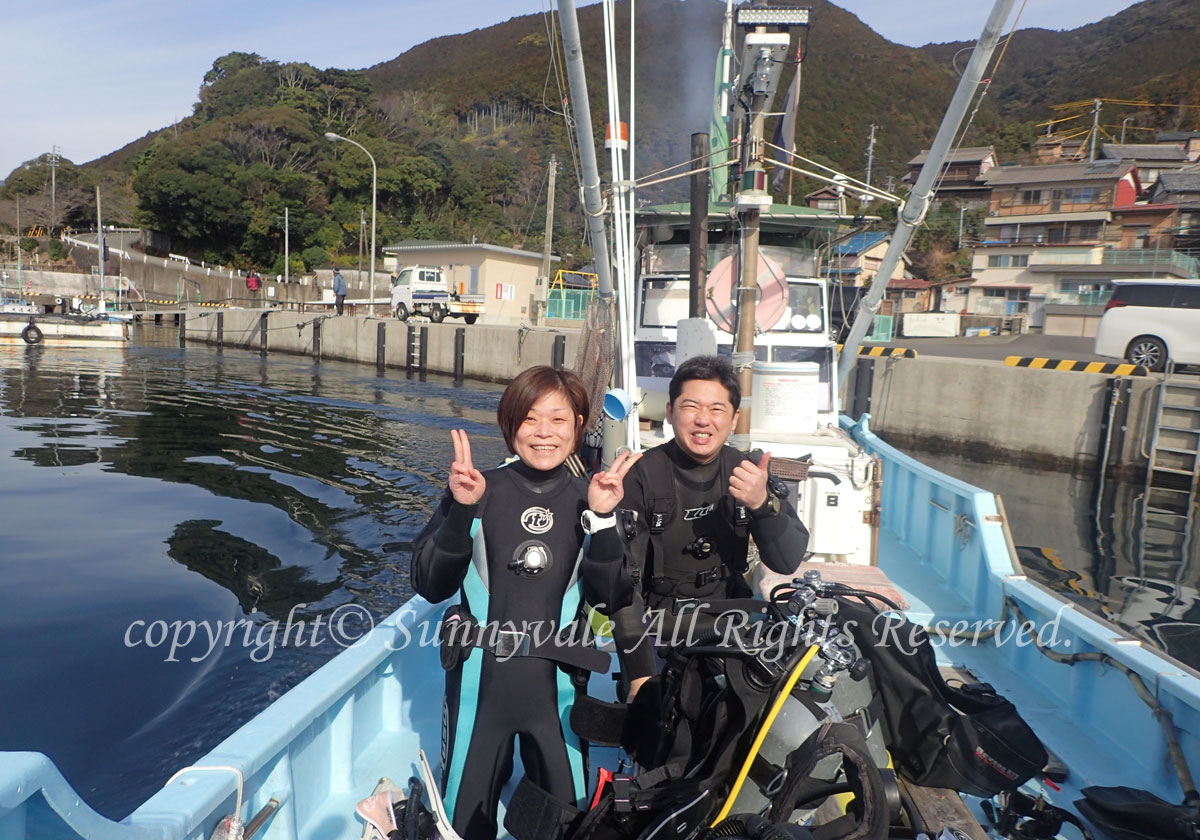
{"points": [[445, 829]]}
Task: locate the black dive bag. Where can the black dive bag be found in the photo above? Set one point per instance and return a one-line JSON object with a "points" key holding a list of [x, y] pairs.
{"points": [[966, 738]]}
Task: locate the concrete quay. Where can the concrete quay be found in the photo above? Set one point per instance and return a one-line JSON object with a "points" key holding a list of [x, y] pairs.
{"points": [[978, 408], [490, 353], [985, 411]]}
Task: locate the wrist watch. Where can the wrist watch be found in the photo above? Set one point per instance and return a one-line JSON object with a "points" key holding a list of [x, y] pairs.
{"points": [[768, 508], [593, 522]]}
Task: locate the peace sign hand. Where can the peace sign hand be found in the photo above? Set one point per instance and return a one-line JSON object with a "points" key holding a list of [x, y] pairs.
{"points": [[466, 483], [608, 488]]}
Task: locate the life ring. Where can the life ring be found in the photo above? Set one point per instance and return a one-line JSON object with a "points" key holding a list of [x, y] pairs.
{"points": [[721, 294], [32, 334]]}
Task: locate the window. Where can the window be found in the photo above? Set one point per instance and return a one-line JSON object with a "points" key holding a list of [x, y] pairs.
{"points": [[1089, 230], [1031, 197], [1149, 294], [999, 261], [1007, 294], [1187, 297], [1020, 260], [1084, 195]]}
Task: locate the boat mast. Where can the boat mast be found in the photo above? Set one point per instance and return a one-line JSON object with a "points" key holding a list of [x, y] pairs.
{"points": [[913, 211], [760, 73], [100, 244], [593, 203]]}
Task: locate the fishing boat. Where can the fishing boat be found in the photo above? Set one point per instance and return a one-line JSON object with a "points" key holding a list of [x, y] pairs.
{"points": [[1111, 709]]}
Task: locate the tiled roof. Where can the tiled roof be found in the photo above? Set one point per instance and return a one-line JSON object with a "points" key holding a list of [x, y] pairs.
{"points": [[858, 243], [409, 246], [1101, 170], [1142, 151], [971, 154], [909, 283], [1183, 182]]}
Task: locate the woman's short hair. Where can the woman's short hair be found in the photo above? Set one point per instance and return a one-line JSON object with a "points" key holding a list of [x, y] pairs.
{"points": [[706, 367], [531, 385]]}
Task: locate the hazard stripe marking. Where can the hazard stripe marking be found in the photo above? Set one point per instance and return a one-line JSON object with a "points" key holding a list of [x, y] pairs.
{"points": [[883, 350], [1039, 363]]}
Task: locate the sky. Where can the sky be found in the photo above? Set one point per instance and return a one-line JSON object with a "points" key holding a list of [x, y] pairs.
{"points": [[90, 77]]}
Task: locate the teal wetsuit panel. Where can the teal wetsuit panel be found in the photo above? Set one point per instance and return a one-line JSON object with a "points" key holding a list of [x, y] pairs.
{"points": [[476, 598]]}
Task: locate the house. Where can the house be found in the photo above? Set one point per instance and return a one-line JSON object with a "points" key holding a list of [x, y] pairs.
{"points": [[1189, 141], [1182, 189], [909, 294], [828, 197], [961, 178], [508, 277], [1056, 237], [856, 260], [1151, 159], [1054, 149]]}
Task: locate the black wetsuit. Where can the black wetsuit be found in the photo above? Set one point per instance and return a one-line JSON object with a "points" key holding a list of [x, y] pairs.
{"points": [[698, 511], [472, 549]]}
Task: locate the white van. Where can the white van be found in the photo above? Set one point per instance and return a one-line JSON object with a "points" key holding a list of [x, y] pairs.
{"points": [[1149, 321]]}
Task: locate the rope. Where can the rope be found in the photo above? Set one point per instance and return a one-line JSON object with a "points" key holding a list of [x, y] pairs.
{"points": [[1160, 713]]}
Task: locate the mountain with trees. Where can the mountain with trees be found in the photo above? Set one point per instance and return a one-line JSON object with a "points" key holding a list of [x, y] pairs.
{"points": [[462, 127]]}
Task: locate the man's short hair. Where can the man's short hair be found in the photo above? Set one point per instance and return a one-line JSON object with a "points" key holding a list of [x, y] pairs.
{"points": [[531, 385], [706, 367]]}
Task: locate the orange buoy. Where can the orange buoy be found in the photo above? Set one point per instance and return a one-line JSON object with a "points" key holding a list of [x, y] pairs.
{"points": [[618, 138]]}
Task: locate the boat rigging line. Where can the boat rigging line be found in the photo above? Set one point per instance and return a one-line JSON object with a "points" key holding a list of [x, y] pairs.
{"points": [[1161, 713], [913, 211]]}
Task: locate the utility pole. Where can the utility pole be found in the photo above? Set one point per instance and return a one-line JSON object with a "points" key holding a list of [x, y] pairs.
{"points": [[19, 244], [961, 210], [1095, 128], [549, 229], [54, 158], [870, 160], [287, 259], [362, 235]]}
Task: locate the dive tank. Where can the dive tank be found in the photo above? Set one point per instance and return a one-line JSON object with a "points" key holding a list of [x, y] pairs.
{"points": [[834, 686]]}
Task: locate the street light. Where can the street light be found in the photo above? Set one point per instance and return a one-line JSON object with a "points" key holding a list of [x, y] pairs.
{"points": [[330, 136]]}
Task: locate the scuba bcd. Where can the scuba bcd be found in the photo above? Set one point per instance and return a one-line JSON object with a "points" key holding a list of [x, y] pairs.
{"points": [[741, 735]]}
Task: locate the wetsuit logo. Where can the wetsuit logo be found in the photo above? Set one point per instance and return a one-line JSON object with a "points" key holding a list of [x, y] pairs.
{"points": [[537, 520], [692, 514]]}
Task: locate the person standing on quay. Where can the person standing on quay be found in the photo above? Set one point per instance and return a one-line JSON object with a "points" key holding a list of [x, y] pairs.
{"points": [[339, 290]]}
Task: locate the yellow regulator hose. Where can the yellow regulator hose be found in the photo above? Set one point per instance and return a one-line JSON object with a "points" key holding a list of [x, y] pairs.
{"points": [[762, 733]]}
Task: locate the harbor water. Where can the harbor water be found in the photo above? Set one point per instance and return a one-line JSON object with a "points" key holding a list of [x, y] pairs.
{"points": [[190, 532]]}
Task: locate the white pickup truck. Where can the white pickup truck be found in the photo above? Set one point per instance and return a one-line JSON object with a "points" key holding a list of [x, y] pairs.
{"points": [[426, 290]]}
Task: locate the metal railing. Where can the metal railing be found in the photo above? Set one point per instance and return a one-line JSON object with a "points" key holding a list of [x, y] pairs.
{"points": [[1189, 266], [1068, 298], [569, 304]]}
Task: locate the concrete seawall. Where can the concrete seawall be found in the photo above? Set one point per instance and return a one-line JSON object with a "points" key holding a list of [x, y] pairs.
{"points": [[489, 353], [979, 409], [986, 411]]}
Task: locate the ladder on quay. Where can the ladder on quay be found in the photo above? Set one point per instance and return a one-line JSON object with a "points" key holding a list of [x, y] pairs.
{"points": [[1172, 491]]}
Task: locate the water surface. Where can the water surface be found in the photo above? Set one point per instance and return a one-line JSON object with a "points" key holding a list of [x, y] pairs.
{"points": [[167, 512]]}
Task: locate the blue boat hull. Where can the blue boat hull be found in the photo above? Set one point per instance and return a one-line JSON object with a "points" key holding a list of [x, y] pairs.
{"points": [[323, 746]]}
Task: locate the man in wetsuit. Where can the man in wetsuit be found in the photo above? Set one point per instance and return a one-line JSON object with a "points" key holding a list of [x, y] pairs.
{"points": [[697, 501]]}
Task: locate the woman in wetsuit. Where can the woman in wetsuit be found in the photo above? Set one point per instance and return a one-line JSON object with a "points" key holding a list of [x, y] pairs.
{"points": [[518, 543]]}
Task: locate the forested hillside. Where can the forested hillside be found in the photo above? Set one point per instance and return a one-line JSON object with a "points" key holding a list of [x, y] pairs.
{"points": [[463, 127]]}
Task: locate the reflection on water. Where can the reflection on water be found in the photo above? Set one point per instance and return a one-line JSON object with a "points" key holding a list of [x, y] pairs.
{"points": [[1089, 547], [161, 508]]}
